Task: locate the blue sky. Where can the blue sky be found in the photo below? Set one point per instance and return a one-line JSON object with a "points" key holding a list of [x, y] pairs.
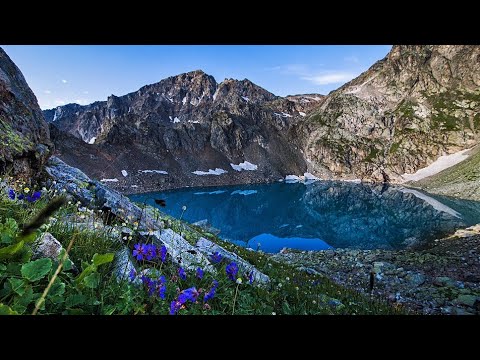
{"points": [[83, 74]]}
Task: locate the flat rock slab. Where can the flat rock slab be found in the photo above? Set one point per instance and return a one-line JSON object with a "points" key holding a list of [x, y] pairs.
{"points": [[180, 250]]}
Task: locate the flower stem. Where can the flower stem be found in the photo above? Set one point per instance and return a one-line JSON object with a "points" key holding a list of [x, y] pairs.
{"points": [[235, 299]]}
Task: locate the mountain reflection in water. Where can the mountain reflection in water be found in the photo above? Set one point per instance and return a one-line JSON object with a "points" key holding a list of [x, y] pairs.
{"points": [[319, 215]]}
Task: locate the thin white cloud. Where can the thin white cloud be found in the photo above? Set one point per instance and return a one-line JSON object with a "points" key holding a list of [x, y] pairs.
{"points": [[85, 92], [64, 81], [82, 101], [59, 102], [351, 59], [317, 76], [330, 78], [47, 91], [292, 69]]}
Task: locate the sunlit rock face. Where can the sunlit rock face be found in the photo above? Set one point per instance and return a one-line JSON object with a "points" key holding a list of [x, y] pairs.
{"points": [[408, 109]]}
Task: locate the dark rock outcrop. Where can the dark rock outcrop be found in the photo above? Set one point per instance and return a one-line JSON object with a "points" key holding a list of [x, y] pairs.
{"points": [[182, 124], [24, 134]]}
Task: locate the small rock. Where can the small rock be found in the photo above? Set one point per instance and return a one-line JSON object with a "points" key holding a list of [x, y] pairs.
{"points": [[123, 266], [468, 300], [284, 251], [415, 279], [336, 304], [46, 246], [460, 311], [444, 281]]}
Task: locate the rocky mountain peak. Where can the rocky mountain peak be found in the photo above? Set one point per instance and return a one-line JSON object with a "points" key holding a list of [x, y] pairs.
{"points": [[244, 89]]}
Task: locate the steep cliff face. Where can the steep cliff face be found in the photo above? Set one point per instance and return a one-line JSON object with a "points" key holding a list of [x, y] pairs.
{"points": [[416, 104], [185, 125], [24, 134]]}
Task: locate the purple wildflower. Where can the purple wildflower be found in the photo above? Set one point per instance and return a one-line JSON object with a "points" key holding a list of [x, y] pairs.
{"points": [[231, 270], [199, 273], [151, 285], [250, 277], [162, 253], [175, 306], [161, 287], [189, 294], [150, 251], [216, 257], [211, 293], [11, 194], [139, 251], [36, 195], [132, 275], [181, 273], [20, 196]]}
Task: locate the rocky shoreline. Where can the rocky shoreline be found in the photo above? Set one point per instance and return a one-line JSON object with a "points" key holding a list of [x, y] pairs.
{"points": [[441, 279]]}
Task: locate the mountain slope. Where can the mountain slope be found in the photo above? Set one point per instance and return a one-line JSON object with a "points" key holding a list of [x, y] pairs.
{"points": [[24, 134], [461, 180], [408, 109], [182, 125]]}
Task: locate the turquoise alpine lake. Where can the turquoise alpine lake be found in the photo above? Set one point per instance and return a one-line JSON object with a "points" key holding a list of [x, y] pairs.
{"points": [[319, 215]]}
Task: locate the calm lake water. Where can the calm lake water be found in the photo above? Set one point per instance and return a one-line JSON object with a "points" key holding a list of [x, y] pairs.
{"points": [[320, 215]]}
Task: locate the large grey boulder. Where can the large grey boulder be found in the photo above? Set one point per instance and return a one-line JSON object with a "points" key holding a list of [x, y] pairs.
{"points": [[180, 250]]}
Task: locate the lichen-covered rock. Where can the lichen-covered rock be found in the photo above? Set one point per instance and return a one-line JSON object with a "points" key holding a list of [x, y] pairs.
{"points": [[24, 134], [180, 250], [123, 266], [46, 246]]}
